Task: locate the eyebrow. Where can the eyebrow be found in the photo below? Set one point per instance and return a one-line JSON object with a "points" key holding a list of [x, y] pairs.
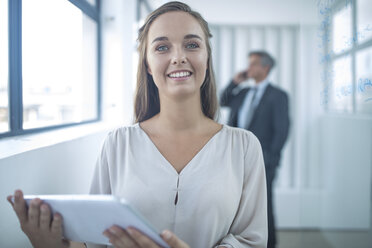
{"points": [[187, 37], [192, 36]]}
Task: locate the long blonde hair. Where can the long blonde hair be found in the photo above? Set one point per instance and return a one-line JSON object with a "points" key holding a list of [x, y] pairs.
{"points": [[147, 103]]}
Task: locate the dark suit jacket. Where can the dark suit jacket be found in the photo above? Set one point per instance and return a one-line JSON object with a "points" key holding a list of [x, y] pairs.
{"points": [[270, 121]]}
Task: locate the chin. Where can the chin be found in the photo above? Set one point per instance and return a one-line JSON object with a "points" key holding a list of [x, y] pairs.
{"points": [[183, 94]]}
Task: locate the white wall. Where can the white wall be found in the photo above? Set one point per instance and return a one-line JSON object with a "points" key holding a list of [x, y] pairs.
{"points": [[347, 158], [261, 12], [119, 33]]}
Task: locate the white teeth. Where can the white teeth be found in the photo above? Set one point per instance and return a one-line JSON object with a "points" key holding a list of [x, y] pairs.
{"points": [[179, 74]]}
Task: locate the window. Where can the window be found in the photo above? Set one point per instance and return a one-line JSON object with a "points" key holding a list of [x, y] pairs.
{"points": [[4, 103], [364, 83], [350, 62], [364, 20], [59, 64], [341, 30], [54, 72], [342, 86]]}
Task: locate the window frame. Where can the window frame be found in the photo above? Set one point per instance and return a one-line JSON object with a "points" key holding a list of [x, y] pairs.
{"points": [[15, 116], [356, 46]]}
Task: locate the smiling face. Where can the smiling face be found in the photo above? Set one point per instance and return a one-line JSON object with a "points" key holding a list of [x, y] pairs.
{"points": [[177, 55]]}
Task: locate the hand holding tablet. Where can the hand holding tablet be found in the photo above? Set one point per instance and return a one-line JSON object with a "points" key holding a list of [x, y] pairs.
{"points": [[86, 217]]}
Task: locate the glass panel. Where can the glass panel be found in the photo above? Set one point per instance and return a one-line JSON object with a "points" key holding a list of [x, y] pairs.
{"points": [[364, 81], [4, 106], [341, 30], [59, 64], [364, 20], [342, 88]]}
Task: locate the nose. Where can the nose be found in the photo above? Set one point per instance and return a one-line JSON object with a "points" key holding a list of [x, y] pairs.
{"points": [[178, 57]]}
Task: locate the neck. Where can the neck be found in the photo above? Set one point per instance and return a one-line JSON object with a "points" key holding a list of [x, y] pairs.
{"points": [[259, 80], [181, 115]]}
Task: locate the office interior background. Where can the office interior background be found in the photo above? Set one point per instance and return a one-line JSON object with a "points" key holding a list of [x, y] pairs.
{"points": [[68, 74]]}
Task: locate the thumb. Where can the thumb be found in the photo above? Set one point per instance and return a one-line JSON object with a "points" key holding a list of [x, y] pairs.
{"points": [[172, 240]]}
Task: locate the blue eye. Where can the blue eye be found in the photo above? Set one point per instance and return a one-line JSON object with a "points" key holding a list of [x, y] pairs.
{"points": [[192, 45], [162, 48]]}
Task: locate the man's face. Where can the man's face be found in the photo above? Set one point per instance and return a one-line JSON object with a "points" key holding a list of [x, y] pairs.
{"points": [[256, 70]]}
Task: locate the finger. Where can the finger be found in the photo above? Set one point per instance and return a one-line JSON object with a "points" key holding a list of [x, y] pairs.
{"points": [[34, 213], [56, 226], [113, 239], [44, 217], [68, 243], [119, 237], [172, 240], [20, 207], [141, 239], [9, 199]]}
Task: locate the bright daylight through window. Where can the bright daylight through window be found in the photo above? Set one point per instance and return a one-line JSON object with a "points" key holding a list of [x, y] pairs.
{"points": [[4, 95], [59, 64], [351, 67]]}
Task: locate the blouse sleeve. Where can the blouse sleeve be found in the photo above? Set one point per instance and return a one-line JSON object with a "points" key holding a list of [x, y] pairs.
{"points": [[249, 228], [101, 181]]}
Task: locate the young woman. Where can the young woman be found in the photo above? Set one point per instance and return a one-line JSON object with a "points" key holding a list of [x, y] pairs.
{"points": [[182, 170]]}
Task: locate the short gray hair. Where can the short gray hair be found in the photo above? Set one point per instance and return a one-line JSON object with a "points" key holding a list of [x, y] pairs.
{"points": [[266, 59]]}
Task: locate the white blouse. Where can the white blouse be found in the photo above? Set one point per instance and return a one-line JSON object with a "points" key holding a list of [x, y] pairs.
{"points": [[219, 198]]}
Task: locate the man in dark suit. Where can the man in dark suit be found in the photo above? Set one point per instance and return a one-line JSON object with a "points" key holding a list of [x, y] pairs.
{"points": [[263, 110]]}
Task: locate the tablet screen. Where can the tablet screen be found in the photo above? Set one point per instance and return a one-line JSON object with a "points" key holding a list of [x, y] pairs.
{"points": [[86, 217]]}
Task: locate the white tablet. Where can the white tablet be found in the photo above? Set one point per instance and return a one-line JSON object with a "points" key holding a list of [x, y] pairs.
{"points": [[86, 217]]}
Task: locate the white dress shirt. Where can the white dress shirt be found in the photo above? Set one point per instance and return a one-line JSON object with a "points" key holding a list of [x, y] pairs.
{"points": [[243, 111], [221, 191]]}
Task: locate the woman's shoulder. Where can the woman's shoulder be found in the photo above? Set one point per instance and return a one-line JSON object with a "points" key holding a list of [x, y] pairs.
{"points": [[240, 135], [238, 132], [123, 133]]}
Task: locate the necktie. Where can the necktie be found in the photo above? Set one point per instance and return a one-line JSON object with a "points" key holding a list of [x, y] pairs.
{"points": [[251, 108]]}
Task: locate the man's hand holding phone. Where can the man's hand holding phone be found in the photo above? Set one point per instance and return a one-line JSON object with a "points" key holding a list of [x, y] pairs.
{"points": [[240, 77]]}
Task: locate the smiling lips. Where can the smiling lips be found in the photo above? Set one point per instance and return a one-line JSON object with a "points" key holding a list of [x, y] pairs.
{"points": [[180, 74]]}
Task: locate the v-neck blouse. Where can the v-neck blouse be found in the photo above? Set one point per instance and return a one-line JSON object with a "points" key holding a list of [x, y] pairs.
{"points": [[219, 198], [161, 157]]}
